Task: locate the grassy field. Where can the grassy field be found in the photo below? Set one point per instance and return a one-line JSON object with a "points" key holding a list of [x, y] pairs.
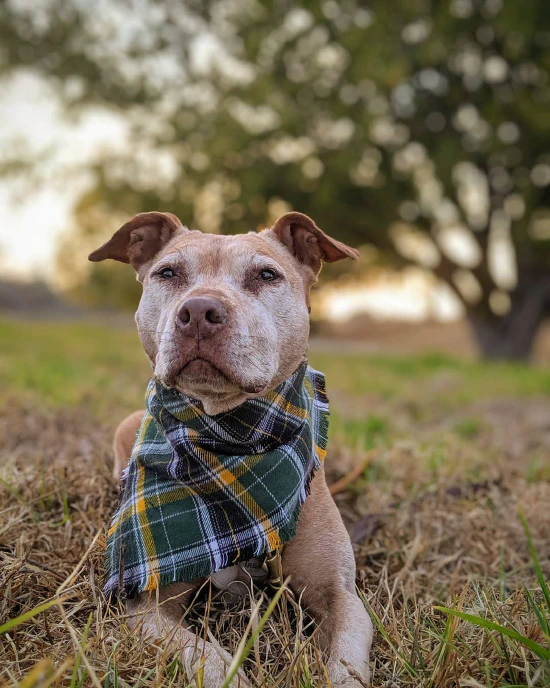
{"points": [[453, 453]]}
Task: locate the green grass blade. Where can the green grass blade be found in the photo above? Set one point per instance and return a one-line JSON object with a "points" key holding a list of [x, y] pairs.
{"points": [[243, 654], [543, 622], [66, 513], [18, 620], [416, 651], [142, 680], [442, 650], [536, 561], [78, 659], [539, 650], [410, 669]]}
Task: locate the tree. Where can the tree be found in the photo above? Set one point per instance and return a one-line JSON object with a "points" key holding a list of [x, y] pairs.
{"points": [[419, 127]]}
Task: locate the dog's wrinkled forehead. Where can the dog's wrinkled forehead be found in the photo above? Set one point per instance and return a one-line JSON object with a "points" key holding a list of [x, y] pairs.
{"points": [[206, 257]]}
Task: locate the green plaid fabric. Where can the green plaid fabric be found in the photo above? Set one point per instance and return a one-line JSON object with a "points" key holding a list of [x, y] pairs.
{"points": [[204, 492]]}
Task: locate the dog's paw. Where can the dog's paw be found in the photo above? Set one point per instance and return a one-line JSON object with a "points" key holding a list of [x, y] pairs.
{"points": [[211, 664], [346, 676], [351, 682]]}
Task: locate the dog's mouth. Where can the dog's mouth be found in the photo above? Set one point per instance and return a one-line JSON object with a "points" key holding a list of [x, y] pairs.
{"points": [[202, 369], [200, 373]]}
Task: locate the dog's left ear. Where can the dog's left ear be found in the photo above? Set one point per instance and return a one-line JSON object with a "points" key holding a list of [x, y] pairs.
{"points": [[309, 244]]}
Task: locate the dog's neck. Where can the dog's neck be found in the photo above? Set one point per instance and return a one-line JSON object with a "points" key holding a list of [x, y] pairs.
{"points": [[214, 403], [223, 402]]}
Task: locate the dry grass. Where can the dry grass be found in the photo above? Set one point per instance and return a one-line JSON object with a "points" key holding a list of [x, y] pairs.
{"points": [[458, 447]]}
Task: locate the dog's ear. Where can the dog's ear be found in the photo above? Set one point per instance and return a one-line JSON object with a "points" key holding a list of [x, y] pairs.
{"points": [[139, 240], [309, 244]]}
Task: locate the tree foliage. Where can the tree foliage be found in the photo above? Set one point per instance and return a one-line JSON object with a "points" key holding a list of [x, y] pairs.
{"points": [[418, 126]]}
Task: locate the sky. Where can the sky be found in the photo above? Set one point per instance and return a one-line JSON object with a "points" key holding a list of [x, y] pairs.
{"points": [[34, 215]]}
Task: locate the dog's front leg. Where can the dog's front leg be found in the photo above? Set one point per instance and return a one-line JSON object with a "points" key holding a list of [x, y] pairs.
{"points": [[320, 562], [159, 619]]}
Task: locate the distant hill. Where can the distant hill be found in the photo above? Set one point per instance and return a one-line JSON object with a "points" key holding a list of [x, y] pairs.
{"points": [[33, 298]]}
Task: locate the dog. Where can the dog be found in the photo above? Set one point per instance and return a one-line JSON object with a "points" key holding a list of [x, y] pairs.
{"points": [[225, 319]]}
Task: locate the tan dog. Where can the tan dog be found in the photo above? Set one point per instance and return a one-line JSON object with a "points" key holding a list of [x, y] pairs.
{"points": [[223, 319]]}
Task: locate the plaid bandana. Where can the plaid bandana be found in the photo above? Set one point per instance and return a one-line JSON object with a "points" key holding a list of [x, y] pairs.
{"points": [[204, 492]]}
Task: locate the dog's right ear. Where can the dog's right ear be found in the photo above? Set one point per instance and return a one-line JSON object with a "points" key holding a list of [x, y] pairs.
{"points": [[139, 240]]}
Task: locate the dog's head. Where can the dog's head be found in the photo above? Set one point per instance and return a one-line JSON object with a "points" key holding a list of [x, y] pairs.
{"points": [[223, 318]]}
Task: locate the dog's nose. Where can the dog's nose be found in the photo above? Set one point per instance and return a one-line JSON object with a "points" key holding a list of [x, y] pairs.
{"points": [[202, 316]]}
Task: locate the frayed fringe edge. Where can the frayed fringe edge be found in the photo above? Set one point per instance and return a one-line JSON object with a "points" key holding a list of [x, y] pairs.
{"points": [[185, 574]]}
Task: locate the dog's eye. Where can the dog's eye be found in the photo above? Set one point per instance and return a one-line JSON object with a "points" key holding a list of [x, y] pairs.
{"points": [[268, 275], [166, 273]]}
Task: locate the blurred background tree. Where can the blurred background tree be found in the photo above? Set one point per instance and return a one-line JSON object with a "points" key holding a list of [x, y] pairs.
{"points": [[419, 127]]}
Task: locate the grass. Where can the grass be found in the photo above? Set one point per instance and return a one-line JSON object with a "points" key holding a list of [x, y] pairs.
{"points": [[450, 520]]}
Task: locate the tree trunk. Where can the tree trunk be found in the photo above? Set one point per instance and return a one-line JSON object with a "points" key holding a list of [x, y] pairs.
{"points": [[512, 336], [503, 338]]}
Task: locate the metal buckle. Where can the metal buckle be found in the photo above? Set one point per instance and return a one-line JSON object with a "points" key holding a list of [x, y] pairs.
{"points": [[274, 566]]}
